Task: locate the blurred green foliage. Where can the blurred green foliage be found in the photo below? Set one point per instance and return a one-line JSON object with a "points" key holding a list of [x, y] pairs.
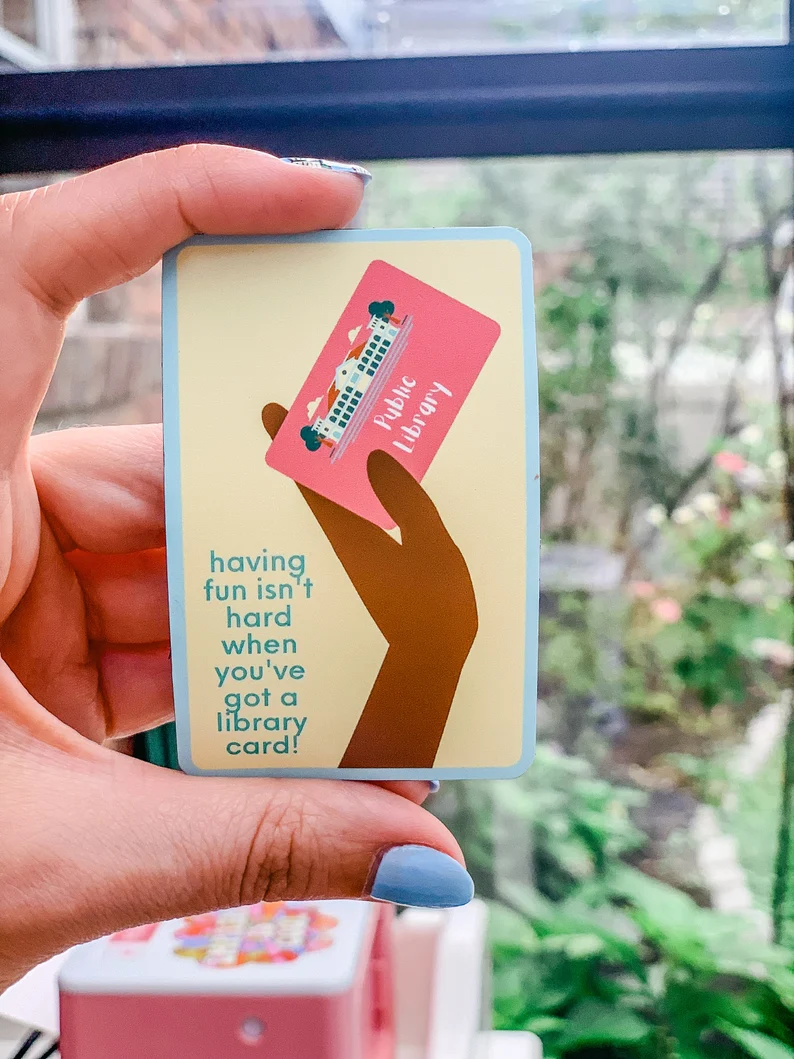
{"points": [[594, 956], [644, 268]]}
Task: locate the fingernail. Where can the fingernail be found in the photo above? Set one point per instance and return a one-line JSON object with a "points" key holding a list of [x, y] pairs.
{"points": [[421, 878], [335, 167], [434, 785]]}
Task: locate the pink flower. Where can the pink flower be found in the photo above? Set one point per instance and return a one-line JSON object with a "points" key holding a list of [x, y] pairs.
{"points": [[724, 516], [731, 462], [642, 589], [666, 610]]}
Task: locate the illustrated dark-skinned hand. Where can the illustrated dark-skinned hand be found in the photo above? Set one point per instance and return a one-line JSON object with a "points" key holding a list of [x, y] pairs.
{"points": [[419, 594], [92, 841]]}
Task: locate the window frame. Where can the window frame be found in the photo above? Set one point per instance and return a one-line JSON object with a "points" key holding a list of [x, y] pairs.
{"points": [[516, 104]]}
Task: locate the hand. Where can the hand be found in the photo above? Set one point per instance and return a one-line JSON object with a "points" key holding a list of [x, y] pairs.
{"points": [[420, 595], [92, 841]]}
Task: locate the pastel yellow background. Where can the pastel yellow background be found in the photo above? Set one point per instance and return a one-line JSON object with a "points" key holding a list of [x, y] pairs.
{"points": [[252, 320]]}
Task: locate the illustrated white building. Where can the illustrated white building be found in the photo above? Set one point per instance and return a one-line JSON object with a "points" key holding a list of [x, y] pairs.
{"points": [[353, 378]]}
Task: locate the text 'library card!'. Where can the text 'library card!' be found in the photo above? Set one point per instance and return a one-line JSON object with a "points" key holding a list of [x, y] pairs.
{"points": [[352, 503]]}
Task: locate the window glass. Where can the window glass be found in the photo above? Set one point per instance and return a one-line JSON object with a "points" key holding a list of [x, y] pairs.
{"points": [[460, 26], [163, 32]]}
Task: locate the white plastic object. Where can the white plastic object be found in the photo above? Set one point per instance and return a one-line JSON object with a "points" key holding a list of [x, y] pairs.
{"points": [[33, 1000], [417, 934], [459, 983], [508, 1046], [441, 989]]}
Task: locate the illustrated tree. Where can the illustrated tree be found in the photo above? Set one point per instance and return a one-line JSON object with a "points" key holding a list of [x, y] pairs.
{"points": [[381, 310], [311, 438]]}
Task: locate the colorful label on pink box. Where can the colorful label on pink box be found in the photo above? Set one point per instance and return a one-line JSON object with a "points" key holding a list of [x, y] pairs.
{"points": [[302, 948], [393, 375], [262, 933], [352, 498]]}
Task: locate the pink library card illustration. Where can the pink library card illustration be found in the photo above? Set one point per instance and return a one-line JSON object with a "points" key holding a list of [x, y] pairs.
{"points": [[392, 376]]}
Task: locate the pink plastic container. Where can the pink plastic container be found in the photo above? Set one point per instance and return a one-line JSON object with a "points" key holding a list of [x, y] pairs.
{"points": [[270, 981]]}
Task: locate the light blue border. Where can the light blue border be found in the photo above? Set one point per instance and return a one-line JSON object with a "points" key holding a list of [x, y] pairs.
{"points": [[173, 500]]}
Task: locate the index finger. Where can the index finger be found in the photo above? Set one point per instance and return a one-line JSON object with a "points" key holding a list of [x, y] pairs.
{"points": [[404, 498], [358, 543], [401, 495]]}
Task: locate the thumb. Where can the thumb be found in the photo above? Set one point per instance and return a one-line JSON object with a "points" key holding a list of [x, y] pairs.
{"points": [[114, 842], [65, 242], [68, 240]]}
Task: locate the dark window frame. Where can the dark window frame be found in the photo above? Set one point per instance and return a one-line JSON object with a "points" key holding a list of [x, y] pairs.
{"points": [[520, 104]]}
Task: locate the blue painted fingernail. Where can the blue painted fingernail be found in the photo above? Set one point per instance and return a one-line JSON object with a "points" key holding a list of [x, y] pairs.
{"points": [[434, 785], [421, 878], [335, 167]]}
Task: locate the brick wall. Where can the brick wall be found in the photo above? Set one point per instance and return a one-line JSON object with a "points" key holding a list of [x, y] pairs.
{"points": [[132, 32]]}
